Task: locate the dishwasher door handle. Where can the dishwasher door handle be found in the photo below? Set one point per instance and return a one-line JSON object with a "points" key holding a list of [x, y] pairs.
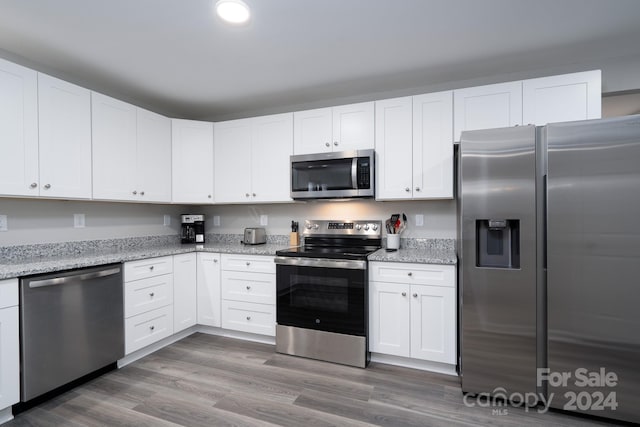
{"points": [[63, 280]]}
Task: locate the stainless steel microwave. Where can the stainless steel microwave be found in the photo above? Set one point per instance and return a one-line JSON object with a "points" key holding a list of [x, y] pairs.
{"points": [[342, 174]]}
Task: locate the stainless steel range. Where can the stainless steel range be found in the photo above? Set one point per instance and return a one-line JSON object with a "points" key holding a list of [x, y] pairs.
{"points": [[322, 292]]}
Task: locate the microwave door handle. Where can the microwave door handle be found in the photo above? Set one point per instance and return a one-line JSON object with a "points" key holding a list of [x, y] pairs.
{"points": [[354, 173]]}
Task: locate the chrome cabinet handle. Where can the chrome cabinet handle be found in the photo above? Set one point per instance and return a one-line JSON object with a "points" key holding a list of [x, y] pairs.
{"points": [[134, 192], [47, 186], [248, 287], [248, 263], [142, 193], [33, 185], [246, 194], [151, 268], [417, 188], [409, 274], [327, 144], [151, 294], [209, 196], [404, 294], [215, 260], [152, 327], [415, 295], [253, 194], [248, 317], [335, 143], [407, 189]]}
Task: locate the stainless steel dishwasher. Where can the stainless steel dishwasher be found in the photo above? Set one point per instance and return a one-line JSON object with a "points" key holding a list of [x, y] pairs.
{"points": [[71, 324]]}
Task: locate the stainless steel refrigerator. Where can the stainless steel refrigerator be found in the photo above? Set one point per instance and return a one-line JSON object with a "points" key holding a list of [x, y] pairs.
{"points": [[550, 264]]}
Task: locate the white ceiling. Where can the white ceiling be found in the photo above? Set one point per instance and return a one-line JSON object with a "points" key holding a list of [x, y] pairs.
{"points": [[177, 58]]}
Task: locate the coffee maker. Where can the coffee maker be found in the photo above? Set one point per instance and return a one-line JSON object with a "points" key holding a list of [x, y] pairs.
{"points": [[192, 230]]}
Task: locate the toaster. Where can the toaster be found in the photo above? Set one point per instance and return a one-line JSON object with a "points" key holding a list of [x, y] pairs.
{"points": [[254, 236]]}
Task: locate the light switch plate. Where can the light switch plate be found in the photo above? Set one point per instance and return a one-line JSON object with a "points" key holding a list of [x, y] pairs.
{"points": [[419, 220], [216, 220], [78, 220], [264, 219], [166, 221], [4, 223]]}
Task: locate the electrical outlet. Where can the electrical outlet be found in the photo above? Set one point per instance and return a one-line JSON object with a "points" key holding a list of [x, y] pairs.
{"points": [[166, 220], [264, 220], [419, 220], [78, 220], [4, 223], [216, 220]]}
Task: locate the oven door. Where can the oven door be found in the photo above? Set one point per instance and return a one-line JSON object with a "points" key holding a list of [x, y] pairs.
{"points": [[322, 294]]}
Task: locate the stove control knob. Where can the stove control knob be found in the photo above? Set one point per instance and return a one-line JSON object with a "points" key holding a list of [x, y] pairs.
{"points": [[374, 227], [316, 226], [366, 227], [358, 227], [308, 226]]}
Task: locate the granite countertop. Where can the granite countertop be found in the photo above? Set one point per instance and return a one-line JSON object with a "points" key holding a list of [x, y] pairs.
{"points": [[46, 258], [427, 255]]}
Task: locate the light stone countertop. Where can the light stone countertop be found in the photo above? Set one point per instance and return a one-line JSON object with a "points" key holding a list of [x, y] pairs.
{"points": [[417, 255]]}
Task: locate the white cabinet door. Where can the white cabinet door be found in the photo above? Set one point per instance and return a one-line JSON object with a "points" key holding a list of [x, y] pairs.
{"points": [[232, 161], [312, 131], [270, 151], [184, 291], [353, 127], [568, 97], [433, 323], [486, 107], [18, 130], [394, 148], [192, 155], [153, 178], [389, 318], [433, 146], [9, 357], [114, 148], [65, 138], [208, 268]]}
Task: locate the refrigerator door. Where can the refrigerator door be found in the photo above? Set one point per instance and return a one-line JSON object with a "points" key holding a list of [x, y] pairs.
{"points": [[593, 266], [498, 260]]}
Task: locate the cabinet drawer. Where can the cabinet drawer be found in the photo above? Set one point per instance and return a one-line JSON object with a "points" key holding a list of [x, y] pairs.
{"points": [[253, 264], [249, 287], [147, 328], [8, 293], [249, 317], [135, 270], [143, 295], [418, 274]]}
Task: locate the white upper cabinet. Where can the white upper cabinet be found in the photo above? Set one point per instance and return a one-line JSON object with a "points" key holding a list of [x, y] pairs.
{"points": [[414, 147], [114, 148], [153, 156], [252, 159], [433, 146], [567, 97], [487, 107], [65, 139], [18, 130], [341, 128], [137, 144], [192, 156]]}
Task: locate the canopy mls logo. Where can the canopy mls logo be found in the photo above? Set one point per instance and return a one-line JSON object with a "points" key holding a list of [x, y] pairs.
{"points": [[595, 393]]}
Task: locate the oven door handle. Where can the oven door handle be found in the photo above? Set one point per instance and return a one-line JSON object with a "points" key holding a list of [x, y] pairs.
{"points": [[321, 262]]}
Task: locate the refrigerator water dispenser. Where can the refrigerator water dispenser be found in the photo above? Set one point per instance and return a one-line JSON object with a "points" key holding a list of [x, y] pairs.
{"points": [[498, 243]]}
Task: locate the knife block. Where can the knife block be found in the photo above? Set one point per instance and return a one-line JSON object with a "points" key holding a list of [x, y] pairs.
{"points": [[294, 239]]}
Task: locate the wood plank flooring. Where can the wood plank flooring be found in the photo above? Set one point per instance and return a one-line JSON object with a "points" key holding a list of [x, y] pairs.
{"points": [[206, 380]]}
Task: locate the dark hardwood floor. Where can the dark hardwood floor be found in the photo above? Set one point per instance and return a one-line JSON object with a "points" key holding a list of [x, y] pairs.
{"points": [[206, 380]]}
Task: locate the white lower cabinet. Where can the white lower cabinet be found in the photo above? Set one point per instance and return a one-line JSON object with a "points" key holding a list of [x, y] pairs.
{"points": [[9, 344], [148, 302], [248, 285], [412, 311], [184, 291], [208, 284]]}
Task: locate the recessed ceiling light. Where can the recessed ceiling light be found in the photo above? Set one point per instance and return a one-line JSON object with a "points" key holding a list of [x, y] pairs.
{"points": [[233, 11]]}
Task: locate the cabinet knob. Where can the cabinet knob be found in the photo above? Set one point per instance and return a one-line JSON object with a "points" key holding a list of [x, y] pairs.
{"points": [[335, 143], [409, 274], [134, 192], [142, 193], [248, 287], [415, 295], [327, 144], [33, 185], [152, 327], [215, 260], [404, 294], [209, 196], [248, 317], [47, 186], [248, 263], [246, 194], [253, 194], [151, 268], [417, 188], [151, 294], [407, 189]]}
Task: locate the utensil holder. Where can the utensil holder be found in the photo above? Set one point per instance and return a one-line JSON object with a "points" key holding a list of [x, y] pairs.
{"points": [[393, 241]]}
